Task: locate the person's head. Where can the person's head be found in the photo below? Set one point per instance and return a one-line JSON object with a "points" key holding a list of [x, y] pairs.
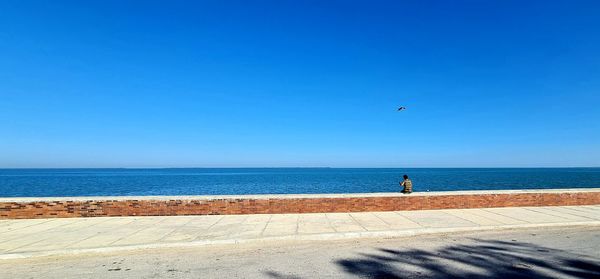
{"points": [[405, 176]]}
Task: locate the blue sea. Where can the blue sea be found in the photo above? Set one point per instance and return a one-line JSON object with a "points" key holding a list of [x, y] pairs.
{"points": [[226, 181]]}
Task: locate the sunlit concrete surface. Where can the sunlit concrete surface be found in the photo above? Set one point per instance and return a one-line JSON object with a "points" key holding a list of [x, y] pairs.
{"points": [[301, 196], [26, 238]]}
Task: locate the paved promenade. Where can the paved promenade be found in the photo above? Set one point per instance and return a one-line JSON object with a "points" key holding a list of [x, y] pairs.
{"points": [[39, 237]]}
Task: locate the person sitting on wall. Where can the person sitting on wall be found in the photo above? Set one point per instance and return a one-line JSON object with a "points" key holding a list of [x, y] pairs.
{"points": [[407, 184]]}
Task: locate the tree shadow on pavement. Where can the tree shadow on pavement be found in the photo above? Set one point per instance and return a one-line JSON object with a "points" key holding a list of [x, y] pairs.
{"points": [[482, 259], [277, 275]]}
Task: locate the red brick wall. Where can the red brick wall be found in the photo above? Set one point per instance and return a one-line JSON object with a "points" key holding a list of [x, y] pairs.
{"points": [[241, 205]]}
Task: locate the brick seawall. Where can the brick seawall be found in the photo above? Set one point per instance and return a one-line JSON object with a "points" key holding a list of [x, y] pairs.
{"points": [[28, 208]]}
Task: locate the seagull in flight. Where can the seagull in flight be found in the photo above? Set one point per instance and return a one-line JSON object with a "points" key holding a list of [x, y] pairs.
{"points": [[401, 108]]}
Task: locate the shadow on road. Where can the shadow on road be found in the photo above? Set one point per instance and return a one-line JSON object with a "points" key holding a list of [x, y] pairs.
{"points": [[484, 259]]}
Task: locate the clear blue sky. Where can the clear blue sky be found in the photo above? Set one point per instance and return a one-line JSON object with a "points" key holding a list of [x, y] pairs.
{"points": [[299, 83]]}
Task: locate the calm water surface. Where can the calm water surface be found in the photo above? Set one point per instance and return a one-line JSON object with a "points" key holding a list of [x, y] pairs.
{"points": [[117, 182]]}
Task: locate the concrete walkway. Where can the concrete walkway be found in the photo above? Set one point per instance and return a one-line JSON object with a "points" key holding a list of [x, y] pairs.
{"points": [[42, 237]]}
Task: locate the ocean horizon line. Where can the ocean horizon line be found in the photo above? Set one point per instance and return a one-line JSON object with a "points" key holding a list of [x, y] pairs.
{"points": [[267, 167]]}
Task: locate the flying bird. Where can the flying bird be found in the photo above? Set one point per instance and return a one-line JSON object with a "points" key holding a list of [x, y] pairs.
{"points": [[401, 108]]}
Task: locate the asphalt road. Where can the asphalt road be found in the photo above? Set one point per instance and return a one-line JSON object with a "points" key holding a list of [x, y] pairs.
{"points": [[536, 253]]}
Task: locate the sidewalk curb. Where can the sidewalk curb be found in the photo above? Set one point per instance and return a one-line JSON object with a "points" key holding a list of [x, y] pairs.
{"points": [[305, 237]]}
